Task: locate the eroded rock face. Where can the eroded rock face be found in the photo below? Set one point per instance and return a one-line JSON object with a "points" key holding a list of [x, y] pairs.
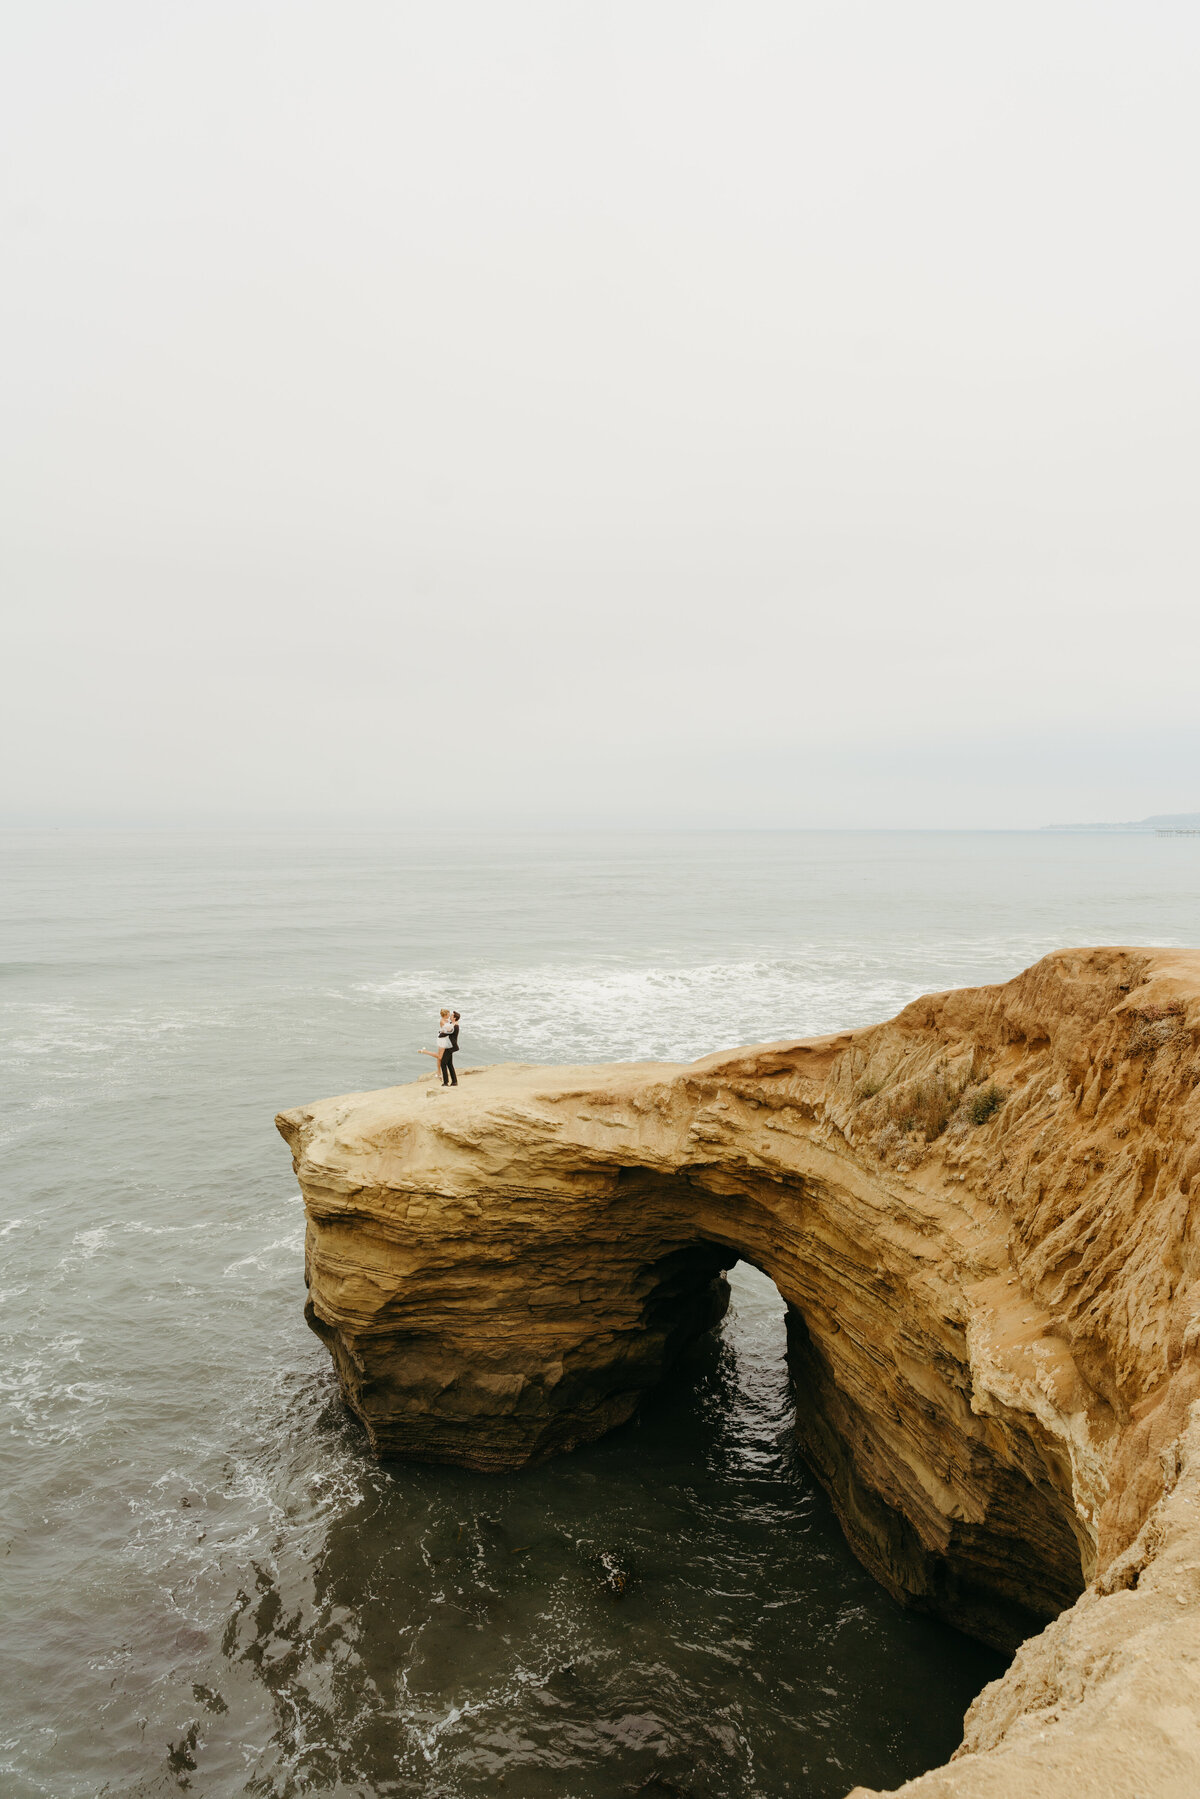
{"points": [[979, 1213]]}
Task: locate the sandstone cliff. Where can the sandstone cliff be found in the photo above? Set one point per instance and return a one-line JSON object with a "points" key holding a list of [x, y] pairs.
{"points": [[980, 1215]]}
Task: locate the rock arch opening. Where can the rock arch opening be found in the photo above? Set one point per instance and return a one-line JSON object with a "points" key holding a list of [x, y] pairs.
{"points": [[950, 1513]]}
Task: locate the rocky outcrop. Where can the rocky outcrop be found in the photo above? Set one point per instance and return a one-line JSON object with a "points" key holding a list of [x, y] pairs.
{"points": [[980, 1216]]}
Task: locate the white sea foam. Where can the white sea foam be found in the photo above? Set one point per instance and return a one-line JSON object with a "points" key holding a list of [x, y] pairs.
{"points": [[292, 1245], [44, 1408], [589, 1012], [136, 1227]]}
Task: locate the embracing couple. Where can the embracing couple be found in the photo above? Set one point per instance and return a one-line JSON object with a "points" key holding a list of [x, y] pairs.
{"points": [[443, 1055]]}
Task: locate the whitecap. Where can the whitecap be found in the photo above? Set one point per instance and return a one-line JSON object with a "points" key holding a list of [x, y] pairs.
{"points": [[92, 1241]]}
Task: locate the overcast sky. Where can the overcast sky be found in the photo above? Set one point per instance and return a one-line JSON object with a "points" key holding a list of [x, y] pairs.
{"points": [[665, 412]]}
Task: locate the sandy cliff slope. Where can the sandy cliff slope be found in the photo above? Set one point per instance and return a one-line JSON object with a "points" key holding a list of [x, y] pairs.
{"points": [[981, 1217]]}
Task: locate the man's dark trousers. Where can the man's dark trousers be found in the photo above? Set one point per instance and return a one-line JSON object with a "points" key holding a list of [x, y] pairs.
{"points": [[449, 1078]]}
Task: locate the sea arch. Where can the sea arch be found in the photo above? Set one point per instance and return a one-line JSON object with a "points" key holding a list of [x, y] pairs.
{"points": [[979, 1216]]}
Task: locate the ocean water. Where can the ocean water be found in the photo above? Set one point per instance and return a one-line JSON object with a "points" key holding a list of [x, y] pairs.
{"points": [[208, 1586]]}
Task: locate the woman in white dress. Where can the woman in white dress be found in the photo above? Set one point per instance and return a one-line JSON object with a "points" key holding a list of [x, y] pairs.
{"points": [[445, 1026]]}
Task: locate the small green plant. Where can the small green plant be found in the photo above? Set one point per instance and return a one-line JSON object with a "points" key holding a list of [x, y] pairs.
{"points": [[985, 1104], [868, 1087]]}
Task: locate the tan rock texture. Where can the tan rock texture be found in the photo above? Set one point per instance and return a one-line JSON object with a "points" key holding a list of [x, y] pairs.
{"points": [[981, 1217]]}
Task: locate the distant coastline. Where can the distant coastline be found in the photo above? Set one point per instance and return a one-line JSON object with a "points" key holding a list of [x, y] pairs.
{"points": [[1163, 821]]}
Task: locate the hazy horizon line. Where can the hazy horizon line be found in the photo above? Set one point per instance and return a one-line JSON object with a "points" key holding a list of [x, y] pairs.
{"points": [[374, 822]]}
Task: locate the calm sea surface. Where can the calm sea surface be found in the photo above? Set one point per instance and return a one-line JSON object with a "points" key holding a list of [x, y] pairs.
{"points": [[207, 1585]]}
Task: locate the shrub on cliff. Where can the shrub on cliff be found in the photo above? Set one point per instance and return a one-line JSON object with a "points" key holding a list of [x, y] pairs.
{"points": [[916, 1114], [984, 1103], [1154, 1026], [926, 1105]]}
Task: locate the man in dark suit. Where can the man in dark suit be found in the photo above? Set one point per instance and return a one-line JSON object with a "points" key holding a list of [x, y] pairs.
{"points": [[449, 1078]]}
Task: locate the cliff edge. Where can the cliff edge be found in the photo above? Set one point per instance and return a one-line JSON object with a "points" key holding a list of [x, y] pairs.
{"points": [[980, 1215]]}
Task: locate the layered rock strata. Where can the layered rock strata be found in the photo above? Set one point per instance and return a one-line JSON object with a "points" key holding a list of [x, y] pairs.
{"points": [[980, 1215]]}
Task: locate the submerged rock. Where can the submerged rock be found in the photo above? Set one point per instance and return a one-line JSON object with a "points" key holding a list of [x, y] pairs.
{"points": [[980, 1217], [614, 1574]]}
